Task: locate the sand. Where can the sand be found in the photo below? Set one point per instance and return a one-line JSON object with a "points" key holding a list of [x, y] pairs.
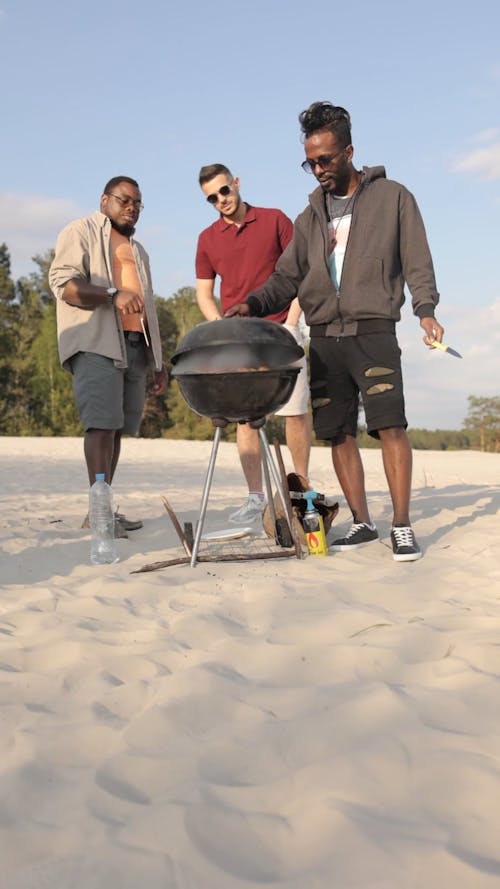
{"points": [[323, 723]]}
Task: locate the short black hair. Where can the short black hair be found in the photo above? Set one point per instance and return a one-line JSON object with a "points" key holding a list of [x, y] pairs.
{"points": [[325, 116], [116, 180], [211, 171]]}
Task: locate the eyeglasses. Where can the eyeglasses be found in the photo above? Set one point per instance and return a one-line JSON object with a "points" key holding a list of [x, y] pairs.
{"points": [[224, 191], [137, 205], [309, 165]]}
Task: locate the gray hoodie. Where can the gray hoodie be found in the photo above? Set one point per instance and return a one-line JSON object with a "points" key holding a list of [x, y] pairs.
{"points": [[387, 247]]}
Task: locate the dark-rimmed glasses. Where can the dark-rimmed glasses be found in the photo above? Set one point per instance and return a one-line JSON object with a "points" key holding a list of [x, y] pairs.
{"points": [[324, 161], [136, 203], [224, 191]]}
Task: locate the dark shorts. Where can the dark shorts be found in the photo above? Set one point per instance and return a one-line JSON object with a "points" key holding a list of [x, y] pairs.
{"points": [[110, 397], [343, 370]]}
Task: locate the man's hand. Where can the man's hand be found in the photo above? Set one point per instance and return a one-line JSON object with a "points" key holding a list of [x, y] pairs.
{"points": [[128, 302], [242, 309], [433, 331], [160, 382]]}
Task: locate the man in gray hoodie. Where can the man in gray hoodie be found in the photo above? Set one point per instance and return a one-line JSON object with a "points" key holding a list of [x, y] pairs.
{"points": [[355, 246]]}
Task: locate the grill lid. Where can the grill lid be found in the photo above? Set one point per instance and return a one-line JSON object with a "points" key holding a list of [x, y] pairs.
{"points": [[233, 344]]}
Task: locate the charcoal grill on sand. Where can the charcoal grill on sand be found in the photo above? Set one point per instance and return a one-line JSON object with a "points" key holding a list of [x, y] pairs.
{"points": [[238, 370]]}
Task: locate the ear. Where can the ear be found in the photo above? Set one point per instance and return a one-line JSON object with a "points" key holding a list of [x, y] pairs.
{"points": [[236, 182], [104, 202]]}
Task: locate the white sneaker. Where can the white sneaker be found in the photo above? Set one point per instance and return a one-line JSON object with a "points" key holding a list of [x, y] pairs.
{"points": [[252, 509]]}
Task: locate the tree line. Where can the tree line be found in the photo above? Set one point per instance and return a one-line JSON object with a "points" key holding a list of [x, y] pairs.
{"points": [[36, 394]]}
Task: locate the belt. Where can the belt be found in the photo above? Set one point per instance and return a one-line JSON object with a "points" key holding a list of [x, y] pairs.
{"points": [[134, 336]]}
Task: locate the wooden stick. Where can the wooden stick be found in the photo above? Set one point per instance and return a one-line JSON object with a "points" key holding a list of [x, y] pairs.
{"points": [[236, 557], [177, 526], [288, 500]]}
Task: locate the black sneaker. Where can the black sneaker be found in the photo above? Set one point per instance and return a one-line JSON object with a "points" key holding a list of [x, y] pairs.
{"points": [[404, 546], [357, 535]]}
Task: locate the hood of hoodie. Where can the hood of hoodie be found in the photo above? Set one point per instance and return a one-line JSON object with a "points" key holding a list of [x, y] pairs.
{"points": [[369, 174]]}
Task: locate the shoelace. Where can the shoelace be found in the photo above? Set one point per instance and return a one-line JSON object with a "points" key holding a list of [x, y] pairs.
{"points": [[354, 529], [403, 536]]}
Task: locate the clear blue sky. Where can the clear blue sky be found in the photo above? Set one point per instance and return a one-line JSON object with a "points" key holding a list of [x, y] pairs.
{"points": [[157, 89]]}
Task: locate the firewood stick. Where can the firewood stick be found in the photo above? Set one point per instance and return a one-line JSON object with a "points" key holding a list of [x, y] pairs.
{"points": [[236, 557], [287, 498], [176, 524]]}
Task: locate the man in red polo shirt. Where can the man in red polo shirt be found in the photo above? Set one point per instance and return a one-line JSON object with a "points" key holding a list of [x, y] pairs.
{"points": [[242, 249]]}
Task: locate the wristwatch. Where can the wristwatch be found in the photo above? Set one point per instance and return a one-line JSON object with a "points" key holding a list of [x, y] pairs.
{"points": [[111, 291]]}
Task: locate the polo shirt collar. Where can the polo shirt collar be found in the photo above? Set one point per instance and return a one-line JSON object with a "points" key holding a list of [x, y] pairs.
{"points": [[250, 216]]}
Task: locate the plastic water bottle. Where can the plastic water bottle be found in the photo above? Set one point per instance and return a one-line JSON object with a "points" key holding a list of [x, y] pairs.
{"points": [[102, 522]]}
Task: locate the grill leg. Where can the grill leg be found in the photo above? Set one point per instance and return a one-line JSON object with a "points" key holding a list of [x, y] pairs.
{"points": [[267, 481], [206, 492], [267, 460]]}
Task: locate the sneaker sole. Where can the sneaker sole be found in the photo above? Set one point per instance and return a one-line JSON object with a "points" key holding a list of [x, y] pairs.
{"points": [[347, 547], [407, 557], [244, 520]]}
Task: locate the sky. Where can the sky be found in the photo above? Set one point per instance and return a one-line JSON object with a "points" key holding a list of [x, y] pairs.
{"points": [[155, 90]]}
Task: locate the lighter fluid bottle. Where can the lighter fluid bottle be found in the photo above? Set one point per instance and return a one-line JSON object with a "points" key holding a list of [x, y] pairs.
{"points": [[314, 528]]}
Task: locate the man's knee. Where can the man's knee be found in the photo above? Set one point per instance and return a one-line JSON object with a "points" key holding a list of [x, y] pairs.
{"points": [[393, 433]]}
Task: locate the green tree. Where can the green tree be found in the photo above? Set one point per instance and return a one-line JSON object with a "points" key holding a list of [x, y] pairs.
{"points": [[483, 420], [168, 415], [156, 414], [52, 387], [184, 423], [8, 329], [184, 307]]}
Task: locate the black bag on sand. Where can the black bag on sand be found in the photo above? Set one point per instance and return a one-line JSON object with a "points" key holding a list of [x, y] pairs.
{"points": [[297, 485]]}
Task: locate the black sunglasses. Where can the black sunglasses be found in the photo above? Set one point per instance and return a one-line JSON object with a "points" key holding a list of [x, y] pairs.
{"points": [[323, 162], [125, 202], [213, 198]]}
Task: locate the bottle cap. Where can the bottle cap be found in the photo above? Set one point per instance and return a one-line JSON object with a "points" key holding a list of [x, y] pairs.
{"points": [[310, 496]]}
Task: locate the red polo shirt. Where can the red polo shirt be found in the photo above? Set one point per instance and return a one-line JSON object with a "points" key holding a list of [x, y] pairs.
{"points": [[243, 256]]}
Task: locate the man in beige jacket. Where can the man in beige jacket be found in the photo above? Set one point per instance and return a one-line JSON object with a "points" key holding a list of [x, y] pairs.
{"points": [[108, 332]]}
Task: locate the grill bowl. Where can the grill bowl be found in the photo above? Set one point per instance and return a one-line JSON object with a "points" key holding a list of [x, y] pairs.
{"points": [[237, 396]]}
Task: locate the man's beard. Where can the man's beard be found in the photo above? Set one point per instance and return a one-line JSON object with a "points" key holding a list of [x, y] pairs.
{"points": [[125, 228]]}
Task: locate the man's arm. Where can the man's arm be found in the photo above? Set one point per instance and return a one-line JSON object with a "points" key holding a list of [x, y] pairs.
{"points": [[418, 270], [69, 275], [79, 293], [285, 229], [294, 313], [416, 259], [282, 286], [206, 300]]}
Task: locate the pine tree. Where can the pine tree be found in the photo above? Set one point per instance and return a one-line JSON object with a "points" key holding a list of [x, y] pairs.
{"points": [[8, 334]]}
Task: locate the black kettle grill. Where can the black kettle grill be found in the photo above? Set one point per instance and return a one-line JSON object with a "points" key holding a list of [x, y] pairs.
{"points": [[237, 370]]}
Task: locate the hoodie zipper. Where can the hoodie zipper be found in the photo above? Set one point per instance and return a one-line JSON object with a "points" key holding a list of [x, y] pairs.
{"points": [[341, 318]]}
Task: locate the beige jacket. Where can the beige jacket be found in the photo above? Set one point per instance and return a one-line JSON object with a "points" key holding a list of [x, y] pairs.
{"points": [[83, 251]]}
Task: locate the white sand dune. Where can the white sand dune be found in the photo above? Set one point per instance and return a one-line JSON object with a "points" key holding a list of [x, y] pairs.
{"points": [[325, 723]]}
